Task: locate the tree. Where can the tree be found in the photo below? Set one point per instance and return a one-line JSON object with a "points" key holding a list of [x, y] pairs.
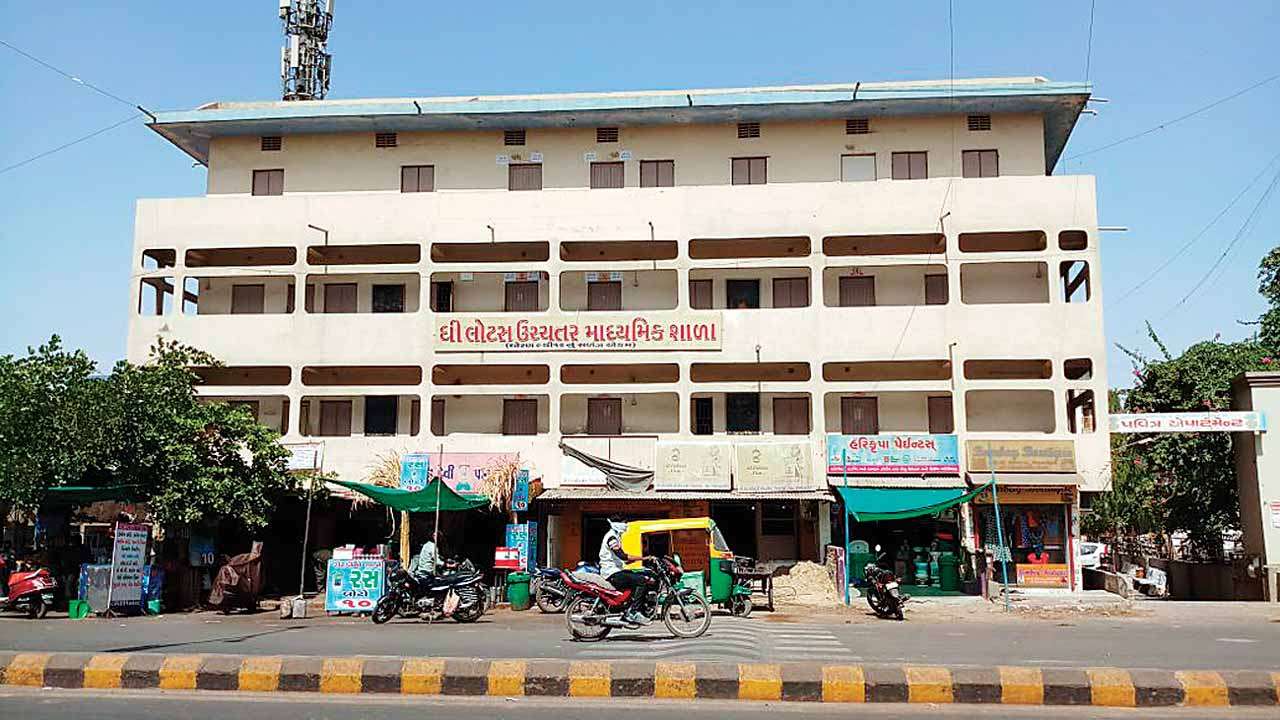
{"points": [[1269, 288]]}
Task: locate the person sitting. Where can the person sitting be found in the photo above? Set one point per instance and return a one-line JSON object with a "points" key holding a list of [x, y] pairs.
{"points": [[612, 567], [427, 561]]}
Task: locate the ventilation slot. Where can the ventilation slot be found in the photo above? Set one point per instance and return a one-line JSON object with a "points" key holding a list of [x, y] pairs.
{"points": [[748, 130], [271, 143], [857, 126], [979, 123], [606, 135], [385, 140], [513, 137]]}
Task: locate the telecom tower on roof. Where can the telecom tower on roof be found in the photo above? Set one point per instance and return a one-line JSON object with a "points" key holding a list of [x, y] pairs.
{"points": [[304, 64]]}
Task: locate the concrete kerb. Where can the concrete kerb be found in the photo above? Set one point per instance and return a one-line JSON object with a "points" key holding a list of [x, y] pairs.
{"points": [[787, 682]]}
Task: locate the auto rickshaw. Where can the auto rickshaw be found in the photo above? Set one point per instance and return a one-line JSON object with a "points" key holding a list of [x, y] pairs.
{"points": [[698, 544]]}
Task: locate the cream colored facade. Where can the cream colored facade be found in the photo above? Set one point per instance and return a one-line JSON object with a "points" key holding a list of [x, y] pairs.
{"points": [[1004, 302]]}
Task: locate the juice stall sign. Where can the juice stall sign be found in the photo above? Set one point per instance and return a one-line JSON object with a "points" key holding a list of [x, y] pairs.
{"points": [[354, 585]]}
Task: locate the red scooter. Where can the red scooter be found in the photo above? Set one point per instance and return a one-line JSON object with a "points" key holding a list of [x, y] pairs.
{"points": [[30, 591]]}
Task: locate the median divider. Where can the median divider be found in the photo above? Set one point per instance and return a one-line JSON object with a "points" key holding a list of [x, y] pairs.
{"points": [[778, 682]]}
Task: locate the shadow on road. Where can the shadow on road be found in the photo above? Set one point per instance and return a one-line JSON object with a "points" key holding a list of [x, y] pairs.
{"points": [[228, 639]]}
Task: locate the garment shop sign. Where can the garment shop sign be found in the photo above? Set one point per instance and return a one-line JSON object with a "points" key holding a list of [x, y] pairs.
{"points": [[646, 331], [773, 467], [1042, 456], [692, 465], [1189, 422], [892, 454]]}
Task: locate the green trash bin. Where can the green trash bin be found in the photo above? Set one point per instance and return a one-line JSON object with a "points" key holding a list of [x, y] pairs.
{"points": [[77, 609], [948, 572], [518, 590]]}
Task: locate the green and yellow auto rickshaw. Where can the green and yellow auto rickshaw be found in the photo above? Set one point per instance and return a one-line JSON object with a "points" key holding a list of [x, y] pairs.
{"points": [[701, 549]]}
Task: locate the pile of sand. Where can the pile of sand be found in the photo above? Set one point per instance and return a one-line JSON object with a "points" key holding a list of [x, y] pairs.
{"points": [[805, 584]]}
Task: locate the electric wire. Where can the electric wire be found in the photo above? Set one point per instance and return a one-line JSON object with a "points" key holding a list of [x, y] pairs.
{"points": [[1088, 48], [69, 76], [64, 146]]}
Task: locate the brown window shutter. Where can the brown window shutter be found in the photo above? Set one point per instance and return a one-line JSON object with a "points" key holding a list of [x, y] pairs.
{"points": [[284, 417], [857, 126], [700, 294], [260, 182], [748, 130], [335, 418], [513, 137], [309, 298], [979, 123], [519, 417], [790, 292], [385, 140], [304, 418], [859, 416], [271, 143], [522, 296], [657, 173], [607, 175], [759, 171], [910, 165], [791, 416], [340, 298], [415, 416], [248, 299], [935, 289], [901, 167], [941, 416], [437, 416], [971, 164], [990, 163], [524, 176], [290, 303], [409, 179], [919, 166], [741, 168], [604, 416], [607, 135], [858, 291], [604, 295]]}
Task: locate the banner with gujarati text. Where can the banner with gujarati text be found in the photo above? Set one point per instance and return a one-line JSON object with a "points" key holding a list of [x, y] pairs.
{"points": [[892, 454], [641, 330]]}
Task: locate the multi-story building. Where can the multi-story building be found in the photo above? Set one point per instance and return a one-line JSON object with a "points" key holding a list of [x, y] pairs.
{"points": [[682, 282]]}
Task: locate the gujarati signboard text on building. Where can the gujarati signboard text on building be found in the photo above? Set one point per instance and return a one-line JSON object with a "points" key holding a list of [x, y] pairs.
{"points": [[892, 454], [1034, 456], [1189, 422], [586, 331], [692, 465], [773, 467]]}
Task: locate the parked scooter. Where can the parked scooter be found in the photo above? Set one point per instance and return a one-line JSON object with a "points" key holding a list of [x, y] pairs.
{"points": [[457, 593], [883, 595], [29, 591], [549, 591], [598, 607]]}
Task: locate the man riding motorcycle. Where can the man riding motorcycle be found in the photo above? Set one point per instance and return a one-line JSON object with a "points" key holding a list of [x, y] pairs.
{"points": [[613, 560]]}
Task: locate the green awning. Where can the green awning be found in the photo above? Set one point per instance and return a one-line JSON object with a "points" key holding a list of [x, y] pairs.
{"points": [[887, 503], [87, 494], [423, 500]]}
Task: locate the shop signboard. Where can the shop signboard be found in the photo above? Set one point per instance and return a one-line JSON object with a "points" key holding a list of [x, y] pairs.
{"points": [[641, 331], [1036, 456], [575, 473], [463, 471], [506, 558], [890, 454], [1275, 514], [128, 555], [518, 538], [692, 465], [1180, 422], [354, 585], [520, 494], [415, 471], [773, 467], [304, 456], [1052, 575]]}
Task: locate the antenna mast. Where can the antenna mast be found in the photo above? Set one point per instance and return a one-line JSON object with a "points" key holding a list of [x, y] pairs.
{"points": [[304, 64]]}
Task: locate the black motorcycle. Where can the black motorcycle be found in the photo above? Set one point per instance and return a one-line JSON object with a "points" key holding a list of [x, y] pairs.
{"points": [[458, 593], [883, 594]]}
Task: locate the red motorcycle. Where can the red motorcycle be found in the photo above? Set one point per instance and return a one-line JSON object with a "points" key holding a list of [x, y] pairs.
{"points": [[598, 607], [30, 591]]}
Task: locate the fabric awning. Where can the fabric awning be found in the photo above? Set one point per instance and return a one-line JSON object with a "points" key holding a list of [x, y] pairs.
{"points": [[423, 500], [605, 493], [87, 494], [882, 503], [1010, 478]]}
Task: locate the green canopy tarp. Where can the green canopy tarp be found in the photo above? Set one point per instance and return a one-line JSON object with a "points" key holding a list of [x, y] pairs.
{"points": [[423, 500], [869, 504], [87, 494]]}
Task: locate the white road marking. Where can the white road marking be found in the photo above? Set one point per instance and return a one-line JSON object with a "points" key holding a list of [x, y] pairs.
{"points": [[1236, 640]]}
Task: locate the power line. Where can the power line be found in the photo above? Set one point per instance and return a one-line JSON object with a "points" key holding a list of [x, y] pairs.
{"points": [[71, 77], [64, 146], [1178, 119], [1088, 48], [1182, 250]]}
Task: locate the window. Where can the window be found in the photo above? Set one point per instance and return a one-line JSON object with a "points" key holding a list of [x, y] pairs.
{"points": [[778, 518], [657, 173], [309, 298], [936, 290], [437, 416], [388, 298], [268, 182], [941, 416], [519, 417], [791, 416], [857, 126], [702, 416], [604, 295], [859, 416], [512, 137], [340, 298], [607, 135], [858, 291], [857, 168], [979, 123], [607, 175], [1073, 240], [980, 163], [791, 292], [748, 130], [750, 171], [415, 416], [524, 176], [1078, 369], [742, 412], [1075, 281], [910, 165], [442, 297], [522, 296], [248, 299], [272, 143], [335, 418], [304, 417], [604, 416], [700, 294], [380, 414], [1080, 411], [385, 140], [417, 178], [742, 294]]}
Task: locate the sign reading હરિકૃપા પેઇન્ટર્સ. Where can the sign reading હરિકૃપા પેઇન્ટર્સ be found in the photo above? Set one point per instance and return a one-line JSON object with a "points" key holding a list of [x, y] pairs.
{"points": [[1233, 421], [595, 331]]}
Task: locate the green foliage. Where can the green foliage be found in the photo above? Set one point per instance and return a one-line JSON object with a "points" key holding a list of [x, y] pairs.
{"points": [[1269, 288]]}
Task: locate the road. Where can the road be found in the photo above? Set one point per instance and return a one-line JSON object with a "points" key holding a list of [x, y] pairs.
{"points": [[144, 705], [1196, 638]]}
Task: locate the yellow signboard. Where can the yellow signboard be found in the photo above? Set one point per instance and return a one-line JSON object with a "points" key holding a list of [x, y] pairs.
{"points": [[1044, 456], [1049, 575]]}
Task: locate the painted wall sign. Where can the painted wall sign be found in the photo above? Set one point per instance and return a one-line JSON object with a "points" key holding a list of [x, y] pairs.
{"points": [[892, 454], [1189, 422], [588, 331], [1022, 455], [692, 465], [773, 467], [462, 471], [1050, 575], [575, 473]]}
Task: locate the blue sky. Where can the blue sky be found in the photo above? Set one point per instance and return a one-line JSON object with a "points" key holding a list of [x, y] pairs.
{"points": [[66, 221]]}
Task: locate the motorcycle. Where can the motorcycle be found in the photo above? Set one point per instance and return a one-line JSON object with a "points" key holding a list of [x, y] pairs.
{"points": [[597, 607], [549, 591], [883, 594], [30, 591], [457, 593]]}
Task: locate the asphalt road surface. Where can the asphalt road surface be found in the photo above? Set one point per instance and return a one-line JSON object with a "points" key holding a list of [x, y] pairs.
{"points": [[1249, 642], [32, 704]]}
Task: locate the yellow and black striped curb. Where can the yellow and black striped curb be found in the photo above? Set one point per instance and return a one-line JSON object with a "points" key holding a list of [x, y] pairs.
{"points": [[800, 682]]}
